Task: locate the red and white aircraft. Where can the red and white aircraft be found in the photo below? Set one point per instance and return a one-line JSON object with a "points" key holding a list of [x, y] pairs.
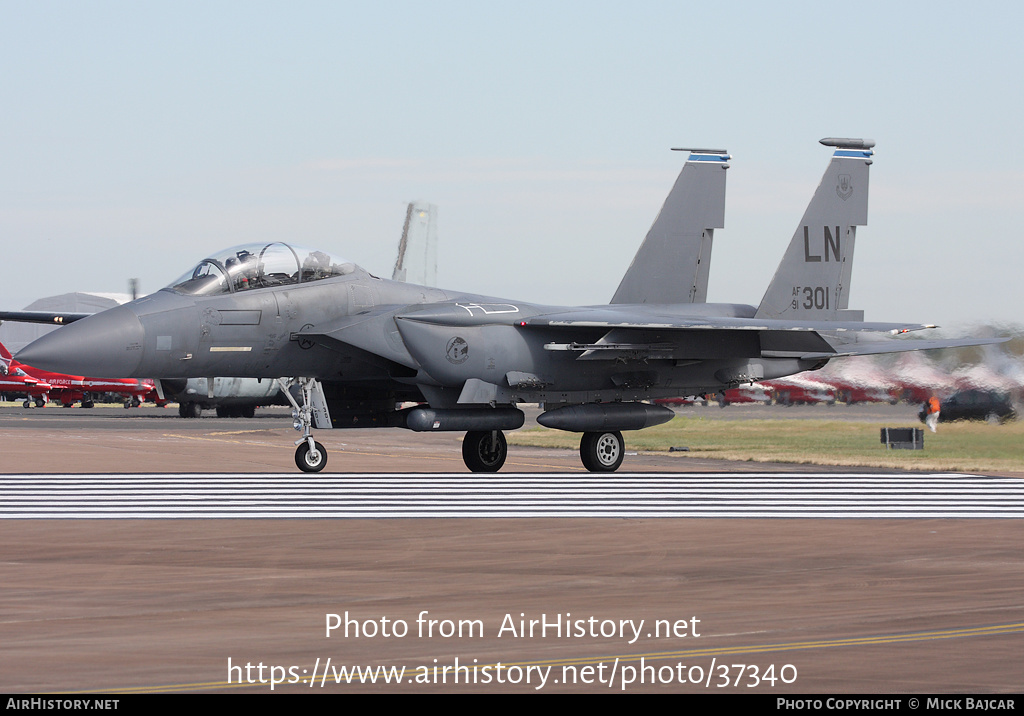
{"points": [[14, 379], [750, 393], [70, 389], [800, 388], [860, 380]]}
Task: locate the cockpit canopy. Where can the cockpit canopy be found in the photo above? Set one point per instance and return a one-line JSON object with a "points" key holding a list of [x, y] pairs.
{"points": [[243, 268]]}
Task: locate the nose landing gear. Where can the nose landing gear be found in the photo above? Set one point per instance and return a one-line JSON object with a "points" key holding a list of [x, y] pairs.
{"points": [[310, 456]]}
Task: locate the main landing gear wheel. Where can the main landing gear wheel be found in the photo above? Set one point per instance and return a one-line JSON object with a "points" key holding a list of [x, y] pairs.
{"points": [[602, 452], [189, 410], [484, 450], [309, 460]]}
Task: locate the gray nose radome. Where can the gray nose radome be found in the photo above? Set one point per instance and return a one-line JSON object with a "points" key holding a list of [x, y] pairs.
{"points": [[106, 345]]}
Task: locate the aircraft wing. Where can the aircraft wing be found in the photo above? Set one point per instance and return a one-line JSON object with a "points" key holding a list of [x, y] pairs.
{"points": [[47, 317], [664, 332], [779, 338], [644, 320], [641, 317]]}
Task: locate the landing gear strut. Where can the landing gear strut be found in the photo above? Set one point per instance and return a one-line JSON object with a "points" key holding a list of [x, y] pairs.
{"points": [[484, 450], [602, 452], [310, 456]]}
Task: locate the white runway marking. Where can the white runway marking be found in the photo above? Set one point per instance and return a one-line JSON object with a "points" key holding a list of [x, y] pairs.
{"points": [[205, 496]]}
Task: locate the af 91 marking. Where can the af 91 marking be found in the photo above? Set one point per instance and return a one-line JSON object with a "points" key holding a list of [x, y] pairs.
{"points": [[809, 297]]}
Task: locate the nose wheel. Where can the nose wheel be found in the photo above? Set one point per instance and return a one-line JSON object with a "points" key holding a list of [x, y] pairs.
{"points": [[311, 458], [602, 452], [484, 450]]}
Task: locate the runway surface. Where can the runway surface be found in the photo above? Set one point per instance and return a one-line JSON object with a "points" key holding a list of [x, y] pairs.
{"points": [[438, 495], [919, 588]]}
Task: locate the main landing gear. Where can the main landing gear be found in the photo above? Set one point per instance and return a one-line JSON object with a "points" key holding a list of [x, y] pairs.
{"points": [[310, 456], [189, 410], [602, 452], [486, 450]]}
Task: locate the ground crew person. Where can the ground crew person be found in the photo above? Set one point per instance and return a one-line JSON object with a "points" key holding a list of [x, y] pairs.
{"points": [[932, 417]]}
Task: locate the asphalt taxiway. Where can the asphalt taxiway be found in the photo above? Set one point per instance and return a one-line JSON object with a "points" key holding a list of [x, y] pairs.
{"points": [[922, 604]]}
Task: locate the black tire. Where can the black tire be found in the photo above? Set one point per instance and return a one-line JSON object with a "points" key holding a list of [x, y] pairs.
{"points": [[222, 412], [189, 410], [602, 452], [247, 411], [40, 402], [26, 404], [305, 462], [481, 453]]}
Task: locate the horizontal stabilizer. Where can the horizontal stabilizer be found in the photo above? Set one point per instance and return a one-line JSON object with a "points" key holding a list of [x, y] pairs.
{"points": [[896, 345]]}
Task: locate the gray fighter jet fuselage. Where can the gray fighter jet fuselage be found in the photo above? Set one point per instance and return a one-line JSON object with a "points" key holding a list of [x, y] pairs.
{"points": [[410, 336], [359, 346]]}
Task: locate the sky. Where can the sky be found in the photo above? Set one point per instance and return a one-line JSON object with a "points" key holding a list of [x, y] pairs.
{"points": [[137, 138]]}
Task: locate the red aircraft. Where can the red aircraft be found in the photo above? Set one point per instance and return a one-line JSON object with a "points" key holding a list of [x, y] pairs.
{"points": [[800, 388], [69, 389], [13, 379]]}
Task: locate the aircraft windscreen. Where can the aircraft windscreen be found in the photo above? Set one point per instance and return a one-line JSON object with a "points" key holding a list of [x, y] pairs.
{"points": [[254, 266]]}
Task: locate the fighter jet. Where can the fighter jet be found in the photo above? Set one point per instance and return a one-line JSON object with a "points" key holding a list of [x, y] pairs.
{"points": [[358, 346], [417, 249], [14, 381]]}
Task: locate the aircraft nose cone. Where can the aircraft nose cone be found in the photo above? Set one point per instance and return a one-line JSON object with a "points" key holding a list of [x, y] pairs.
{"points": [[106, 345]]}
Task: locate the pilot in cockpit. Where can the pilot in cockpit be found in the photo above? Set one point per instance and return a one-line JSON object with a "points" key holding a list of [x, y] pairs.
{"points": [[242, 269], [317, 265]]}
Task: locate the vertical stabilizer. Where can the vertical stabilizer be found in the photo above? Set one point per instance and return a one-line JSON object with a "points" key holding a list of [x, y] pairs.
{"points": [[673, 262], [813, 280], [417, 251]]}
